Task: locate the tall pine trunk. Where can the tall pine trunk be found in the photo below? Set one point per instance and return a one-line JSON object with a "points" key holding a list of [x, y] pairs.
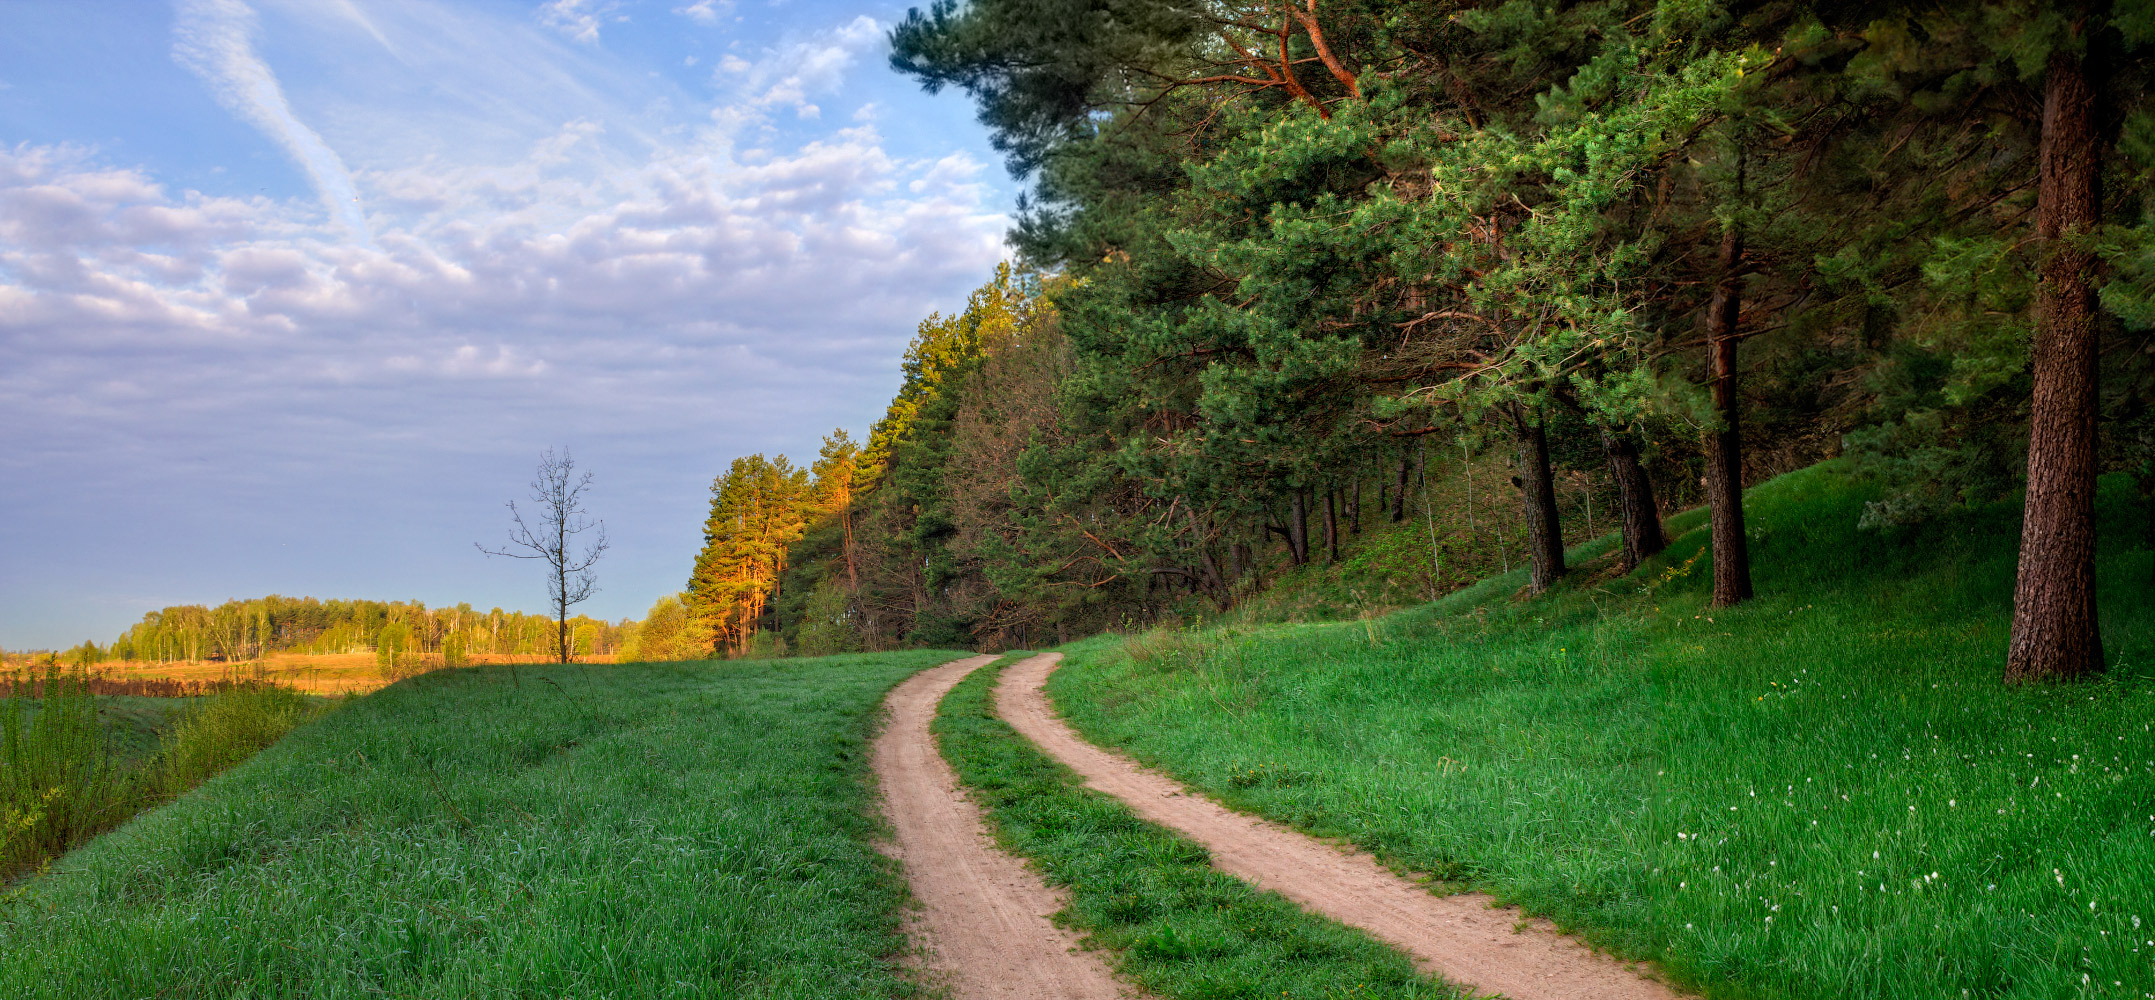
{"points": [[853, 574], [1724, 447], [1298, 526], [1399, 492], [1544, 533], [1331, 525], [1635, 494], [2055, 634], [1212, 577]]}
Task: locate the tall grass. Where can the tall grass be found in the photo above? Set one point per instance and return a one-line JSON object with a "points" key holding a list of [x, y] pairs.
{"points": [[1827, 792], [65, 779], [59, 778], [227, 729]]}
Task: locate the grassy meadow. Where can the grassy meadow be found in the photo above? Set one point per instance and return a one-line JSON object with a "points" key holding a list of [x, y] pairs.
{"points": [[643, 830], [1150, 897], [1824, 793]]}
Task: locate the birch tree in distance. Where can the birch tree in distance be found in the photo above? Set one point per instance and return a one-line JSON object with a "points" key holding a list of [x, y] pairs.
{"points": [[558, 494]]}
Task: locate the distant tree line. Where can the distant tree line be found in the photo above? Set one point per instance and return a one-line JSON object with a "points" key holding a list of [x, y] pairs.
{"points": [[245, 630]]}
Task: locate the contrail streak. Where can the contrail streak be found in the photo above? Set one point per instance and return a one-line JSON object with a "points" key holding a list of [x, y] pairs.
{"points": [[215, 39]]}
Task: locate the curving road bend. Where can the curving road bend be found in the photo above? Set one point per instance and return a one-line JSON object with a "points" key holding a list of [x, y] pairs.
{"points": [[1461, 938], [983, 916]]}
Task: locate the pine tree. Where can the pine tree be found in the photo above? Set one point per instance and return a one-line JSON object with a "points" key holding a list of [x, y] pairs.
{"points": [[759, 507]]}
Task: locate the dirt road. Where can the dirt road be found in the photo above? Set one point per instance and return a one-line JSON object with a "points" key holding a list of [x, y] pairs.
{"points": [[1460, 938], [984, 917]]}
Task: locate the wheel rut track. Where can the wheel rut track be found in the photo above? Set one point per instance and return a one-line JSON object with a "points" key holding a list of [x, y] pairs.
{"points": [[983, 915], [1461, 938]]}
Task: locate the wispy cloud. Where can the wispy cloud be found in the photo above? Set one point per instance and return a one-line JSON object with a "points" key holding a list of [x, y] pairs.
{"points": [[578, 19], [789, 75], [215, 40], [702, 11], [468, 361], [351, 12]]}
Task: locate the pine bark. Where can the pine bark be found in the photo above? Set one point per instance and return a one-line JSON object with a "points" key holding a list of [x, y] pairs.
{"points": [[2055, 632], [1331, 525], [1724, 447], [1212, 582], [1635, 494], [1544, 533], [1399, 491], [1298, 527]]}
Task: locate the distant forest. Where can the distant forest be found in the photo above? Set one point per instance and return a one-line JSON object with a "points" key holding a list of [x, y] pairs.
{"points": [[238, 631]]}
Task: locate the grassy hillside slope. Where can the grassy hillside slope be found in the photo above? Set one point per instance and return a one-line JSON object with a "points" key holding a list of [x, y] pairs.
{"points": [[650, 830], [1824, 793]]}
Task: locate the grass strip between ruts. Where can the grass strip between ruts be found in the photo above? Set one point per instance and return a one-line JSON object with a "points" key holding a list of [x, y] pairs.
{"points": [[1167, 920]]}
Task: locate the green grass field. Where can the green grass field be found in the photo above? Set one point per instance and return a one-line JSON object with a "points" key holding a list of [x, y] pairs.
{"points": [[1825, 793], [649, 830], [1169, 922]]}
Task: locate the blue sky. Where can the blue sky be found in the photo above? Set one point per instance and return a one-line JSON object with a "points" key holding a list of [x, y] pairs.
{"points": [[294, 292]]}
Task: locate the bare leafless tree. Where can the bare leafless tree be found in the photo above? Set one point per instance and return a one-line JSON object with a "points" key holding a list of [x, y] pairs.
{"points": [[558, 493]]}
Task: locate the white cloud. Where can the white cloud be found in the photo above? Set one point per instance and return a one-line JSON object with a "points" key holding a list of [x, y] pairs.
{"points": [[351, 12], [704, 12], [469, 361], [215, 40], [694, 252], [788, 75], [578, 19]]}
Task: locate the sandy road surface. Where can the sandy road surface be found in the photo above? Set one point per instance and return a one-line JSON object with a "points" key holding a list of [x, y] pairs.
{"points": [[984, 917], [1459, 938]]}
